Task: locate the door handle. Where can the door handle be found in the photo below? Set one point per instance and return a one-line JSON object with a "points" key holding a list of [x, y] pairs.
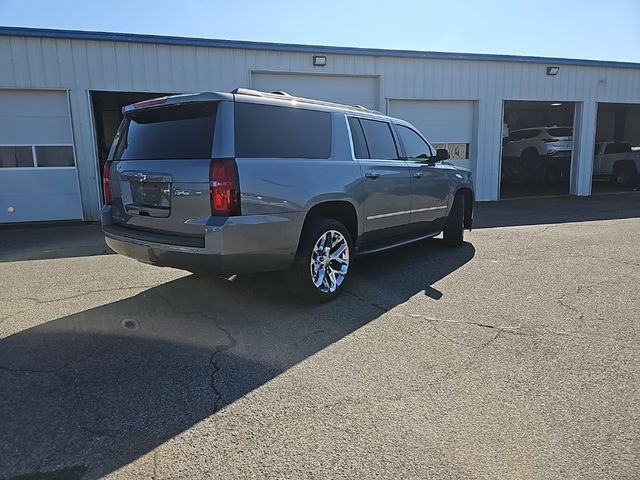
{"points": [[372, 175], [418, 175]]}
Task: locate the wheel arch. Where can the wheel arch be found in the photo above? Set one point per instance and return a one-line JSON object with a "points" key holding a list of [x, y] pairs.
{"points": [[342, 210]]}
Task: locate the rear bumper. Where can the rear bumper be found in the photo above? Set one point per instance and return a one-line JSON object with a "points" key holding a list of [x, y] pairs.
{"points": [[244, 244]]}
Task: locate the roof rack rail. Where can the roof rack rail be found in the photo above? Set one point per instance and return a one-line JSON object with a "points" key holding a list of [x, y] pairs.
{"points": [[288, 96], [247, 91]]}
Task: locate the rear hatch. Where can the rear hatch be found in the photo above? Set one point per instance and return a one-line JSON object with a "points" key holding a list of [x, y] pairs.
{"points": [[561, 138], [159, 173]]}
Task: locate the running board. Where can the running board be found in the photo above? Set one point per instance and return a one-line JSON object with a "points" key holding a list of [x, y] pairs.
{"points": [[401, 243]]}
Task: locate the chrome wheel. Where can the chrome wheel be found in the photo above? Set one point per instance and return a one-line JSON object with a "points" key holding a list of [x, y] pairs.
{"points": [[329, 261]]}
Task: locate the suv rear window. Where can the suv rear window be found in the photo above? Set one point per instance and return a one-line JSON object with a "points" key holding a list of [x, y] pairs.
{"points": [[523, 134], [167, 133], [266, 131], [560, 132]]}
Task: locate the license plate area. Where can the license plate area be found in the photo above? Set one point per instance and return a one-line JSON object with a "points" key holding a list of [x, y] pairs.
{"points": [[146, 194]]}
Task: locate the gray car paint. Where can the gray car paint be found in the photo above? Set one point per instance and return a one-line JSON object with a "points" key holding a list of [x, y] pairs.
{"points": [[276, 195]]}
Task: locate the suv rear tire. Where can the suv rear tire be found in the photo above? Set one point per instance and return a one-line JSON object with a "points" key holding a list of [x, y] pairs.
{"points": [[453, 231], [323, 262]]}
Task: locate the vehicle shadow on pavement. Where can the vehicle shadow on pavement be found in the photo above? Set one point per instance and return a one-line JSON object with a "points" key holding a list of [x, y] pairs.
{"points": [[88, 393]]}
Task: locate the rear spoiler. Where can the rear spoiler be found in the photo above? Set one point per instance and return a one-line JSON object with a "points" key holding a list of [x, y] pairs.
{"points": [[177, 100]]}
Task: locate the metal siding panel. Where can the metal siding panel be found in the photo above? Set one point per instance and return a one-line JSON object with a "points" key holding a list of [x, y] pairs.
{"points": [[152, 72], [341, 89], [65, 62], [19, 62], [95, 66], [86, 155], [123, 66], [109, 65], [7, 75], [35, 62], [137, 65], [51, 64], [165, 75], [79, 58]]}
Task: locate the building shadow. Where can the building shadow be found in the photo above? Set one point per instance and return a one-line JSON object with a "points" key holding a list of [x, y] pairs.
{"points": [[21, 242], [543, 211], [88, 393]]}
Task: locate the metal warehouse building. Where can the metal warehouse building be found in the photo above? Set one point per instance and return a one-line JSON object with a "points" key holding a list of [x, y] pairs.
{"points": [[61, 94]]}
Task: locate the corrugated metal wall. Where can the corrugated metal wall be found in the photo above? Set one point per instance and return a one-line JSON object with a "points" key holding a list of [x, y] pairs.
{"points": [[83, 65]]}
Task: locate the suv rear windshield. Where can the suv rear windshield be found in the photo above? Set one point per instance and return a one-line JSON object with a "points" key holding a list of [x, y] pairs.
{"points": [[560, 132], [167, 133], [265, 131]]}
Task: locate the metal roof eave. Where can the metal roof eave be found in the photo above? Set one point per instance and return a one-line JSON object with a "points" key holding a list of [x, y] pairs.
{"points": [[287, 47]]}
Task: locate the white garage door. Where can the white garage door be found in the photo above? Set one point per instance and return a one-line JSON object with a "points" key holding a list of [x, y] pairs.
{"points": [[349, 90], [38, 177], [446, 124]]}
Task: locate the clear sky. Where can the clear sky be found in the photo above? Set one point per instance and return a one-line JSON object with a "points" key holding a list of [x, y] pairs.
{"points": [[592, 29]]}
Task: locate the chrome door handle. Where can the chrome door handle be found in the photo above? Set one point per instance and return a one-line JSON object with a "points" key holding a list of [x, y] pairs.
{"points": [[418, 175], [372, 175]]}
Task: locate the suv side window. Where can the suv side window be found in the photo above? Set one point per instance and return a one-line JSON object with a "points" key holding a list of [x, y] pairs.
{"points": [[266, 131], [380, 141], [357, 135], [414, 145]]}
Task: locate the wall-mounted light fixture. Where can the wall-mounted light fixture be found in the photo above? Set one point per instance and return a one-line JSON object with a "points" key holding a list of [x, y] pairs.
{"points": [[319, 61], [553, 70]]}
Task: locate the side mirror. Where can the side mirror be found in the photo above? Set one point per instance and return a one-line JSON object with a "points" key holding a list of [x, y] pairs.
{"points": [[442, 154]]}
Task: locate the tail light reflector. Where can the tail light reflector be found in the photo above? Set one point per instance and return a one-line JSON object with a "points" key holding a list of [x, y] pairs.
{"points": [[224, 187], [106, 183]]}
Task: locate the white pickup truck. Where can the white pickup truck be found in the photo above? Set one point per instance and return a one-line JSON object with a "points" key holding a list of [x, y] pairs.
{"points": [[617, 161]]}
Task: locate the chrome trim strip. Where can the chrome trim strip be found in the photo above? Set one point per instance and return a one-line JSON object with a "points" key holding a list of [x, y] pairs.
{"points": [[428, 209], [417, 210], [384, 215]]}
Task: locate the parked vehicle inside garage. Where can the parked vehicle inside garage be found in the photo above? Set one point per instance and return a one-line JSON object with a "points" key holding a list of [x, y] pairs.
{"points": [[542, 154], [617, 162], [250, 181]]}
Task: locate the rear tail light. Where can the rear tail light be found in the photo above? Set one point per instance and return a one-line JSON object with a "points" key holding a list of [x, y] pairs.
{"points": [[224, 187], [106, 183]]}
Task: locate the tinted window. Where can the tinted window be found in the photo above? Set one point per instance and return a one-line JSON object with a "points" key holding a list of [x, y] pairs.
{"points": [[359, 143], [524, 134], [55, 156], [617, 148], [16, 157], [597, 151], [414, 145], [380, 140], [166, 133], [560, 132], [265, 131]]}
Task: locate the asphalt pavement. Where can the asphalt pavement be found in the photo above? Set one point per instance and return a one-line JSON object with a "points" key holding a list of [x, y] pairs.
{"points": [[513, 357]]}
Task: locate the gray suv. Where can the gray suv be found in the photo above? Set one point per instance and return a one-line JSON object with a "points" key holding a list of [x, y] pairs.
{"points": [[247, 181]]}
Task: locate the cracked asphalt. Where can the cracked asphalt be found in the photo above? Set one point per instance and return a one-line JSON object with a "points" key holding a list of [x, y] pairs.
{"points": [[515, 356]]}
